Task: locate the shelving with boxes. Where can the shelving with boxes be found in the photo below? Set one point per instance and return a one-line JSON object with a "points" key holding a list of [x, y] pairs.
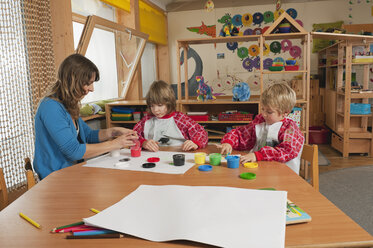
{"points": [[252, 106], [348, 112], [138, 107]]}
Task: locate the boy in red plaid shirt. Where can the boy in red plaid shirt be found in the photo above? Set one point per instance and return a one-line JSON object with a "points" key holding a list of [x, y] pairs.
{"points": [[165, 126], [270, 136]]}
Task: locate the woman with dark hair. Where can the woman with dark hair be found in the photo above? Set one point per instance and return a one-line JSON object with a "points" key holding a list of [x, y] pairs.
{"points": [[62, 138]]}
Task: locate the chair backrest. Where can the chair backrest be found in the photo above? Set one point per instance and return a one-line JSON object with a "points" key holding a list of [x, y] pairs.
{"points": [[311, 155], [29, 174], [3, 190]]}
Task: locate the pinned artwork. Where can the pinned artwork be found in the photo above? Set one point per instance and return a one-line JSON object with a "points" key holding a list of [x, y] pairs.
{"points": [[209, 6], [247, 19], [295, 52], [268, 17], [242, 52], [237, 20], [232, 46], [209, 30], [248, 31], [254, 50], [275, 47], [292, 12], [286, 45], [258, 18]]}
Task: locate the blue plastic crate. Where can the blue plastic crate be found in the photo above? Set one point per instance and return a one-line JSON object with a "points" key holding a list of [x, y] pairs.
{"points": [[360, 109]]}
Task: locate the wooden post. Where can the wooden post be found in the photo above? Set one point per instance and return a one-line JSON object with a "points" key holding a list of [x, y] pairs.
{"points": [[62, 30]]}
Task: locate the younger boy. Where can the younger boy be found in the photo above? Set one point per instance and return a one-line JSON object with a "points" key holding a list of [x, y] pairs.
{"points": [[165, 126], [270, 136]]}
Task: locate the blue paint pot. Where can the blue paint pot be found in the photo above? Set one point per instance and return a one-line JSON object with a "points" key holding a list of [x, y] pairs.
{"points": [[233, 161]]}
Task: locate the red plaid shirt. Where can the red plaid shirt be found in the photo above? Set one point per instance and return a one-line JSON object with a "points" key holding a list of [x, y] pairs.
{"points": [[190, 129], [290, 140]]}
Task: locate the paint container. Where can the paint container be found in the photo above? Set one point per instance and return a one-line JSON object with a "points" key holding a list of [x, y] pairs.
{"points": [[115, 153], [233, 161], [136, 116], [215, 158], [200, 158], [135, 151], [179, 159]]}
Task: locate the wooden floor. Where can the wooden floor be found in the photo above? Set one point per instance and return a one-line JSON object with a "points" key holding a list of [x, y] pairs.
{"points": [[338, 162]]}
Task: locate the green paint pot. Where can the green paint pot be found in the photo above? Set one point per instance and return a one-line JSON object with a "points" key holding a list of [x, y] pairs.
{"points": [[215, 158]]}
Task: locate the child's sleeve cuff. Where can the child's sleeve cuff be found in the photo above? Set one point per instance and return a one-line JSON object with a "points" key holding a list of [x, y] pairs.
{"points": [[259, 156]]}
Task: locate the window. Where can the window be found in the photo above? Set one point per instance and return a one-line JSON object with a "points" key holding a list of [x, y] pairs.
{"points": [[148, 67]]}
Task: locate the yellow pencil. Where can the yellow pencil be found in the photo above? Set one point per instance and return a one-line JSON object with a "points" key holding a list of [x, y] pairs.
{"points": [[30, 220], [94, 210], [297, 211]]}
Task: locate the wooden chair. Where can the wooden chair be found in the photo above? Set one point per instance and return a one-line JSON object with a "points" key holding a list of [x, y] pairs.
{"points": [[3, 190], [310, 154], [29, 174]]}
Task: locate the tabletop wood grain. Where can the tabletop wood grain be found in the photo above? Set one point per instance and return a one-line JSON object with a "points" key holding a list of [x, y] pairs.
{"points": [[66, 196]]}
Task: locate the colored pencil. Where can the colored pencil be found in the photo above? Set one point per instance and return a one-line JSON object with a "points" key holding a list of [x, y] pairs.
{"points": [[72, 228], [95, 232], [86, 229], [70, 225], [100, 236], [30, 220], [95, 210]]}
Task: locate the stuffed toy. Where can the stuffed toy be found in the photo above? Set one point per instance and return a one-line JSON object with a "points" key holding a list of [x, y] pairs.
{"points": [[91, 109], [241, 92], [204, 91]]}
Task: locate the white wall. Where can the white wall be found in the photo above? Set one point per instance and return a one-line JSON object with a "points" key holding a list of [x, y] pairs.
{"points": [[309, 13]]}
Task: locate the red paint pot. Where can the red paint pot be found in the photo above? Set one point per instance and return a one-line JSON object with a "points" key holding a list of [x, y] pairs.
{"points": [[135, 151]]}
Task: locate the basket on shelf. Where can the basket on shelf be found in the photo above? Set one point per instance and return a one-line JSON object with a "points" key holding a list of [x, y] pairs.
{"points": [[235, 117], [360, 108]]}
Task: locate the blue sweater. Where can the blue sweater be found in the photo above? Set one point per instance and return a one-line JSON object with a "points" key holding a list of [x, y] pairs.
{"points": [[56, 139]]}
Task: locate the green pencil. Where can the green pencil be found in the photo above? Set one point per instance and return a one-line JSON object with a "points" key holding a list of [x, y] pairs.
{"points": [[73, 224]]}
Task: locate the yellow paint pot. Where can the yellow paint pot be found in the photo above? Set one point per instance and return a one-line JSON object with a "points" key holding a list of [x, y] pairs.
{"points": [[200, 158], [250, 165]]}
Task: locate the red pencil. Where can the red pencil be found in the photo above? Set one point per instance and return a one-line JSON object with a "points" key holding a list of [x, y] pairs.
{"points": [[69, 229]]}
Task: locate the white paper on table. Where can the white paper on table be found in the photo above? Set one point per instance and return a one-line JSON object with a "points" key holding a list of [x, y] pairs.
{"points": [[135, 163], [221, 216]]}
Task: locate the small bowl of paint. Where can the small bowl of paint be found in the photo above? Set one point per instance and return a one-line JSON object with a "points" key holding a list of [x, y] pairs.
{"points": [[233, 162], [179, 159], [215, 158], [200, 158]]}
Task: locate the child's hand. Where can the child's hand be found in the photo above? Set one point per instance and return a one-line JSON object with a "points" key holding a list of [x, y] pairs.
{"points": [[189, 146], [225, 148], [250, 157], [151, 145]]}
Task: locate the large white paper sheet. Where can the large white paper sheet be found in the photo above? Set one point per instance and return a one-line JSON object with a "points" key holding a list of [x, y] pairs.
{"points": [[221, 216], [135, 163]]}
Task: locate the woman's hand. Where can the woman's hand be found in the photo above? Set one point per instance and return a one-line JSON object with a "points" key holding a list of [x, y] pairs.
{"points": [[225, 148], [126, 140], [250, 157], [150, 145], [189, 146], [118, 131], [114, 132]]}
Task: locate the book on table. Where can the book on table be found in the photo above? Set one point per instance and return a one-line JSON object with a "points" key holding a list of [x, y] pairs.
{"points": [[295, 214]]}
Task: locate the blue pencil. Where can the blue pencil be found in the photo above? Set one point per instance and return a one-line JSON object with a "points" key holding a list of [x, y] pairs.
{"points": [[93, 232]]}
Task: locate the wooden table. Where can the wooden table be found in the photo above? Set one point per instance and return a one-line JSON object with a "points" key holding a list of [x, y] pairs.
{"points": [[66, 196]]}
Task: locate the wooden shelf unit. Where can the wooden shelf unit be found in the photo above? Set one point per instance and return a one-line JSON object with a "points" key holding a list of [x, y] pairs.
{"points": [[351, 134], [253, 105], [135, 104]]}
